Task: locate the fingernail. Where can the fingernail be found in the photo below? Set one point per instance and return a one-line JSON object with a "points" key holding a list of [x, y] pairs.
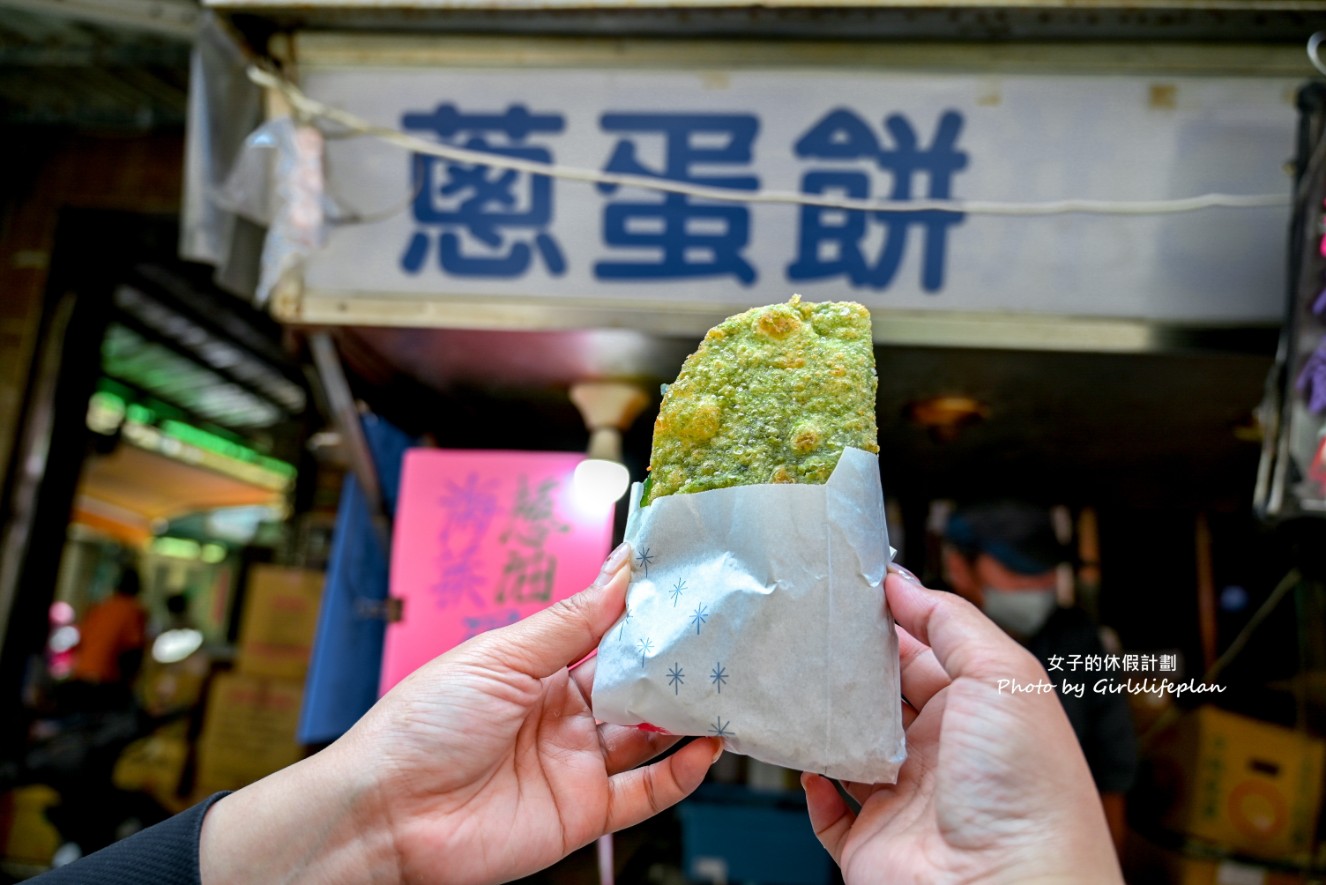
{"points": [[717, 753], [904, 574], [616, 559]]}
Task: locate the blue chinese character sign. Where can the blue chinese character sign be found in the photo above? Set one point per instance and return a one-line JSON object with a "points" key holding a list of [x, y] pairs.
{"points": [[503, 214], [870, 185]]}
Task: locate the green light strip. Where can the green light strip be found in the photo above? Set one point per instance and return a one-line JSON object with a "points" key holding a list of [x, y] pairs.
{"points": [[187, 433], [116, 397], [139, 414]]}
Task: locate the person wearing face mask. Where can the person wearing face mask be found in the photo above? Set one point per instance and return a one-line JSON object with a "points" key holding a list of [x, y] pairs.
{"points": [[1003, 557]]}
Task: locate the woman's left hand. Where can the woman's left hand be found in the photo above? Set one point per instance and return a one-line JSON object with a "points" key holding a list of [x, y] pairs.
{"points": [[487, 764]]}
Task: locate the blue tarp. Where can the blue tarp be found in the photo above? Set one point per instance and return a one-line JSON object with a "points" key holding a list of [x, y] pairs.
{"points": [[347, 652]]}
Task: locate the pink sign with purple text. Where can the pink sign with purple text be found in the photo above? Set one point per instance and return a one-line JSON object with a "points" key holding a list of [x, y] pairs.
{"points": [[483, 538]]}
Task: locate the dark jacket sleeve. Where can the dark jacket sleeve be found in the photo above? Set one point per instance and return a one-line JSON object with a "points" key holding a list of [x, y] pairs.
{"points": [[1111, 748], [165, 854]]}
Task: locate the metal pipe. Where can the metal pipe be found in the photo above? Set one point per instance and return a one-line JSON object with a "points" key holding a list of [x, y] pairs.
{"points": [[345, 415]]}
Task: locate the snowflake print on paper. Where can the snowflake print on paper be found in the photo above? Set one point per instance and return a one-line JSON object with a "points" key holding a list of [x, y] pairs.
{"points": [[625, 619], [719, 728], [677, 590], [718, 676], [699, 617], [676, 676], [646, 646], [644, 558]]}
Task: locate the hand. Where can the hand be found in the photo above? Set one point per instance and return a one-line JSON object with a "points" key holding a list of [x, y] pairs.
{"points": [[995, 787], [484, 765]]}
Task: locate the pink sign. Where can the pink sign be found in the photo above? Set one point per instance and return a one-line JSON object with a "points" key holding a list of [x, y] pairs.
{"points": [[482, 539]]}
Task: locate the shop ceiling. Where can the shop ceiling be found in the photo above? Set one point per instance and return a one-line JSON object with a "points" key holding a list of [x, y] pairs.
{"points": [[196, 404], [131, 492], [123, 64], [1168, 427]]}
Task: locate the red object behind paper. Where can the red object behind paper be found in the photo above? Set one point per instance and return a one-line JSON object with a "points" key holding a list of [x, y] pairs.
{"points": [[483, 538]]}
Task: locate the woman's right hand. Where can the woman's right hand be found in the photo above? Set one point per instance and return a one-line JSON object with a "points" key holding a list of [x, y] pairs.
{"points": [[995, 787]]}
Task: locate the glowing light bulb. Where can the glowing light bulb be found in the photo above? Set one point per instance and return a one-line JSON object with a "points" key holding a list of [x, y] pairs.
{"points": [[173, 646], [599, 482]]}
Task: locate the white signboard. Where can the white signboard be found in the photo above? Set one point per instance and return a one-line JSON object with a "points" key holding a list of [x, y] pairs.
{"points": [[432, 227]]}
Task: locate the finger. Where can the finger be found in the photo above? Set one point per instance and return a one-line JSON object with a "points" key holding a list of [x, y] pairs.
{"points": [[909, 714], [830, 817], [625, 746], [859, 792], [641, 793], [898, 568], [964, 641], [566, 631], [582, 674], [919, 671]]}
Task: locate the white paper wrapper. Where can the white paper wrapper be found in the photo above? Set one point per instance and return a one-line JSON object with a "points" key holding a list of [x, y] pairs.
{"points": [[757, 614]]}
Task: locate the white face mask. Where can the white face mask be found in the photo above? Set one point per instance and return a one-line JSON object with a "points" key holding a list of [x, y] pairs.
{"points": [[1020, 612]]}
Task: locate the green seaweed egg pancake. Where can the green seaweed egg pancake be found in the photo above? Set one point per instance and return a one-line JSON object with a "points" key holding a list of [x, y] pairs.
{"points": [[771, 395]]}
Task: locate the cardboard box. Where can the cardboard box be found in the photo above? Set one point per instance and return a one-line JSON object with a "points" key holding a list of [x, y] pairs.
{"points": [[1150, 864], [1201, 871], [248, 732], [278, 622], [167, 688], [1248, 786], [26, 836], [154, 765]]}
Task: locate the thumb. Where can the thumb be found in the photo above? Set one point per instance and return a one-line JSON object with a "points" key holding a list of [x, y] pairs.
{"points": [[566, 631]]}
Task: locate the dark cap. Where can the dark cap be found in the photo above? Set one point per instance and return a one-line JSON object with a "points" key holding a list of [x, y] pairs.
{"points": [[130, 583], [1020, 536]]}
